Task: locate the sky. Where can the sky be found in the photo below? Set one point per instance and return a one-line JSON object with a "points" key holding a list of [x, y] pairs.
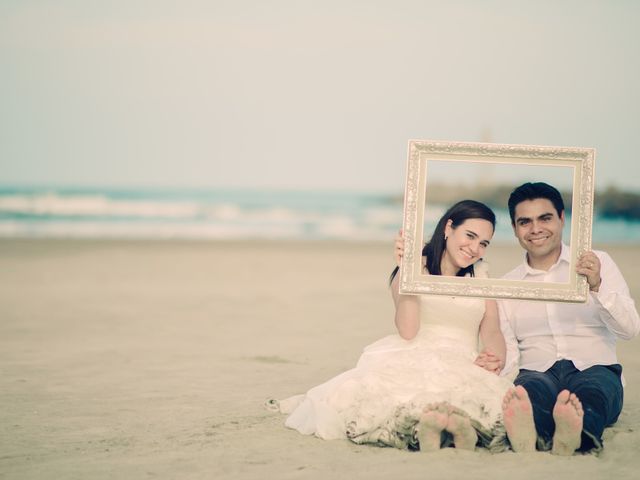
{"points": [[306, 94]]}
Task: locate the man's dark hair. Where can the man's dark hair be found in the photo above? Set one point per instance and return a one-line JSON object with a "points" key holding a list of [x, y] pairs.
{"points": [[532, 191]]}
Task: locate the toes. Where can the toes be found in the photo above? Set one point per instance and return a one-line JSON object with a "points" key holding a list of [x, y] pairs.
{"points": [[432, 407], [508, 397], [575, 400], [521, 393], [564, 396], [577, 404], [568, 399], [514, 394]]}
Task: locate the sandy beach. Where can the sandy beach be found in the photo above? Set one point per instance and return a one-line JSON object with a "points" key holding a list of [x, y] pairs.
{"points": [[153, 360]]}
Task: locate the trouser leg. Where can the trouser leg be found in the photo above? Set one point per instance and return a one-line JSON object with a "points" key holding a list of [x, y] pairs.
{"points": [[543, 389], [599, 389]]}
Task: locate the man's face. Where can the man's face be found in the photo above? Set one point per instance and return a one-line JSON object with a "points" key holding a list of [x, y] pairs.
{"points": [[539, 231]]}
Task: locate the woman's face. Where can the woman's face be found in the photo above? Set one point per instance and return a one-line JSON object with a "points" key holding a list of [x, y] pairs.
{"points": [[466, 244]]}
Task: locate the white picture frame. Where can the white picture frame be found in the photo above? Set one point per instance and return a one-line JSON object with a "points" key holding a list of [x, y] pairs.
{"points": [[413, 279]]}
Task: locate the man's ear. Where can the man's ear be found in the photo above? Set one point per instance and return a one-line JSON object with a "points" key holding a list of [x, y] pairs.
{"points": [[562, 217]]}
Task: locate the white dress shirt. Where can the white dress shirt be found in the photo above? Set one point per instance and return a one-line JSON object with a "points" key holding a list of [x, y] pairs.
{"points": [[538, 334]]}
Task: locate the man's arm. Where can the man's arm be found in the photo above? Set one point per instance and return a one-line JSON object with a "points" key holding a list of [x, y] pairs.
{"points": [[513, 354], [615, 306]]}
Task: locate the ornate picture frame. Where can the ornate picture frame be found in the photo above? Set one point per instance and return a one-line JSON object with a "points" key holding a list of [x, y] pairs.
{"points": [[413, 280]]}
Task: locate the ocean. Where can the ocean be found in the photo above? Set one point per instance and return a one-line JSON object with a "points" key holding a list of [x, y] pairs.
{"points": [[228, 214]]}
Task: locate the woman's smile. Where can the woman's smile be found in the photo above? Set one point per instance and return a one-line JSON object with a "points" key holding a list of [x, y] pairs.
{"points": [[467, 255]]}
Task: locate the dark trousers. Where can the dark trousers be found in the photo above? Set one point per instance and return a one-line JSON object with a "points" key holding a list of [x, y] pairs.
{"points": [[599, 389]]}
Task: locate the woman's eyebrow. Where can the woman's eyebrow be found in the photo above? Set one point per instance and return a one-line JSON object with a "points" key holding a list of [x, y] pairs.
{"points": [[477, 236]]}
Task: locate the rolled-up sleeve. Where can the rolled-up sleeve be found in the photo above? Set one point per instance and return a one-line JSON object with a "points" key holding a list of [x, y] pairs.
{"points": [[616, 308], [513, 353]]}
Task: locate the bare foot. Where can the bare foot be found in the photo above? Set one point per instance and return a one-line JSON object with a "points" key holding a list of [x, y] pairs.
{"points": [[464, 435], [568, 414], [518, 420], [432, 422]]}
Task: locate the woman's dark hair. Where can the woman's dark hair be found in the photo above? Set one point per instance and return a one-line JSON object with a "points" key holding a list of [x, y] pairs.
{"points": [[532, 191], [458, 214]]}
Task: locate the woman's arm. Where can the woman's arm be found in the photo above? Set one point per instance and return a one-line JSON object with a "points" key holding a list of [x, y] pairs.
{"points": [[493, 355], [407, 311], [407, 306]]}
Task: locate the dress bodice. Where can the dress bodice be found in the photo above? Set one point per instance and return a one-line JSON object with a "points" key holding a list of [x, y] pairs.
{"points": [[454, 319]]}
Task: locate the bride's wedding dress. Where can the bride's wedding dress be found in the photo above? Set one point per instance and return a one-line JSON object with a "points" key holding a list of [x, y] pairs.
{"points": [[380, 400]]}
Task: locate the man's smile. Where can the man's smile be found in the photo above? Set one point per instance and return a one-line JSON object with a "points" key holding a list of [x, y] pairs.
{"points": [[539, 240]]}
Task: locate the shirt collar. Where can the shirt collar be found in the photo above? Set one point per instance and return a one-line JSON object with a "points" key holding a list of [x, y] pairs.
{"points": [[565, 257]]}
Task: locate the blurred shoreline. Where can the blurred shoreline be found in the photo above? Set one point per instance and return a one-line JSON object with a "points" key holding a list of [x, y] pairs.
{"points": [[243, 214]]}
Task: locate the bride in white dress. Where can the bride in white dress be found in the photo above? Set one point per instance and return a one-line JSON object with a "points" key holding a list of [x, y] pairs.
{"points": [[427, 386]]}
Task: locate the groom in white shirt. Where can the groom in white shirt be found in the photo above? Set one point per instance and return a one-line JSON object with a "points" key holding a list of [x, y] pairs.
{"points": [[569, 386]]}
